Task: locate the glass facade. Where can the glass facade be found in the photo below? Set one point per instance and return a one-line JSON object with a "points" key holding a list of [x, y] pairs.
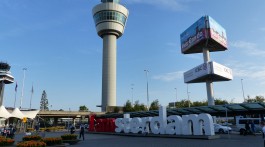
{"points": [[110, 15], [111, 1]]}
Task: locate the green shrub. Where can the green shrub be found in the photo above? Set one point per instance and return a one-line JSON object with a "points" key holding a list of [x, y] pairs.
{"points": [[32, 137], [69, 137]]}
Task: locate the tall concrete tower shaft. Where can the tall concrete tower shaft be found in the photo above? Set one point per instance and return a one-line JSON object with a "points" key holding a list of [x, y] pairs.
{"points": [[5, 78], [110, 19]]}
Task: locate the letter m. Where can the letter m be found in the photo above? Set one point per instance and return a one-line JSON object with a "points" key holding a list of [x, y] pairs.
{"points": [[195, 124]]}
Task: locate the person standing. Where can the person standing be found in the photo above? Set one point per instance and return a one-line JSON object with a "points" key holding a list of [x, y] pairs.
{"points": [[72, 129], [247, 128], [263, 132], [252, 125], [82, 131]]}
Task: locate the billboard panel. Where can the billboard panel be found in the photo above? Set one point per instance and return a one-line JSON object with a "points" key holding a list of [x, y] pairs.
{"points": [[217, 32], [204, 33], [197, 72], [194, 34], [221, 70], [208, 71]]}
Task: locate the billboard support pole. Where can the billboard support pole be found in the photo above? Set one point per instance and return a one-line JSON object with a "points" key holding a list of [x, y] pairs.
{"points": [[209, 83], [206, 55]]}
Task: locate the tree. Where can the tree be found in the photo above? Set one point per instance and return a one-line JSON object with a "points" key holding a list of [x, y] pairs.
{"points": [[220, 102], [83, 109], [139, 107], [199, 103], [116, 109], [44, 104], [154, 105], [256, 99], [128, 107]]}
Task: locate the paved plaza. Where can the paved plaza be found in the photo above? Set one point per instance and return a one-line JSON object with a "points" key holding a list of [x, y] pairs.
{"points": [[101, 140]]}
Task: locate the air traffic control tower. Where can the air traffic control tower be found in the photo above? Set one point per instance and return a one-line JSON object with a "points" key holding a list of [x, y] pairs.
{"points": [[110, 20], [5, 78], [205, 36]]}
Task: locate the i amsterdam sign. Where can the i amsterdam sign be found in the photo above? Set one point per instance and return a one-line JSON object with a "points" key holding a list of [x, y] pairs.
{"points": [[192, 124]]}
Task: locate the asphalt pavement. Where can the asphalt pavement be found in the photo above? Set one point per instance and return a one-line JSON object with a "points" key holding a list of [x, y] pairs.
{"points": [[101, 140]]}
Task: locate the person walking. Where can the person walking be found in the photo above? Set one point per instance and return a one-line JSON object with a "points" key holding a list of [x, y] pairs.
{"points": [[82, 131]]}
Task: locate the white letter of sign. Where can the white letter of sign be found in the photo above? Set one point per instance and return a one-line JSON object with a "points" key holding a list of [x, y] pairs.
{"points": [[126, 121], [208, 123], [158, 124], [198, 122], [136, 124], [145, 124], [175, 125], [119, 125]]}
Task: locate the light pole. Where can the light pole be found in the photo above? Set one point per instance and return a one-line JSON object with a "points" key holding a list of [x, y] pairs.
{"points": [[69, 120], [188, 93], [132, 92], [22, 91], [175, 104], [147, 92], [243, 90]]}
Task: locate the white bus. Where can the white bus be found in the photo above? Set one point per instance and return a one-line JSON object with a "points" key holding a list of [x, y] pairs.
{"points": [[241, 121]]}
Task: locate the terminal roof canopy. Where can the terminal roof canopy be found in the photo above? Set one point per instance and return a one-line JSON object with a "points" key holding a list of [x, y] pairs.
{"points": [[217, 110], [17, 113]]}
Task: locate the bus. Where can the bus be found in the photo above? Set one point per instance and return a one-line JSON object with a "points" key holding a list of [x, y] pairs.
{"points": [[241, 121]]}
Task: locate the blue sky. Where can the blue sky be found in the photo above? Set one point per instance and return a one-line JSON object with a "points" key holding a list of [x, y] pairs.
{"points": [[57, 41]]}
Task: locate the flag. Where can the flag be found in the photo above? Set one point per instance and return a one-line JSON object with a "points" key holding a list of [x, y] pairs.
{"points": [[32, 91], [16, 87]]}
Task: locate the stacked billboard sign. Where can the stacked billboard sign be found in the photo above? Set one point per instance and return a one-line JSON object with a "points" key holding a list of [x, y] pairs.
{"points": [[210, 70], [202, 32], [205, 36]]}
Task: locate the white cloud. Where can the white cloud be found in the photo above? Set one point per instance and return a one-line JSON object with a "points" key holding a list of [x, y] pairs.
{"points": [[243, 44], [248, 70], [173, 5], [249, 48], [169, 76]]}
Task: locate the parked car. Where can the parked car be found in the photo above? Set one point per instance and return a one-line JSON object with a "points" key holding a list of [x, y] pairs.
{"points": [[221, 129]]}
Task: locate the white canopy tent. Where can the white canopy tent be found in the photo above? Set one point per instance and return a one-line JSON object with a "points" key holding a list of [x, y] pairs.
{"points": [[4, 113], [17, 113], [30, 114]]}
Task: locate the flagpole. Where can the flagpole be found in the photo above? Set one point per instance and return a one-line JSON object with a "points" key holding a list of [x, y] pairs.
{"points": [[15, 96]]}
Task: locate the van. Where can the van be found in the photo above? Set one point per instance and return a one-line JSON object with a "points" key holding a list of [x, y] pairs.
{"points": [[241, 121]]}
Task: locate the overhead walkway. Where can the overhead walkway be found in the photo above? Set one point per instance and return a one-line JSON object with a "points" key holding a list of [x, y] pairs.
{"points": [[217, 110]]}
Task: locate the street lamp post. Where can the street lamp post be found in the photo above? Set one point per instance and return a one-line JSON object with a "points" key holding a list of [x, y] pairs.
{"points": [[243, 90], [147, 92], [188, 93], [22, 91], [69, 120], [132, 93], [175, 104]]}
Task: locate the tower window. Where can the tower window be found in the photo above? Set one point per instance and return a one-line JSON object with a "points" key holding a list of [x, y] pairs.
{"points": [[110, 15]]}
